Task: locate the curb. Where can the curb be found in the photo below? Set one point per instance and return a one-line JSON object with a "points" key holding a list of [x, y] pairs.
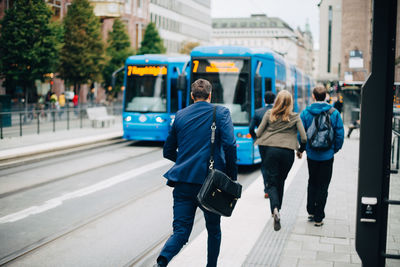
{"points": [[55, 146]]}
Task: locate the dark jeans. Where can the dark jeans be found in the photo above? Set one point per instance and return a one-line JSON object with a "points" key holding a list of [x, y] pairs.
{"points": [[263, 170], [320, 173], [278, 162], [185, 205]]}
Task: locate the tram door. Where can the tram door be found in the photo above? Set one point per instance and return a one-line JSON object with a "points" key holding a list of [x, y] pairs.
{"points": [[378, 200]]}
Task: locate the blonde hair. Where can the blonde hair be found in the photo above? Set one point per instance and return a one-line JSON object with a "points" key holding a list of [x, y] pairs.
{"points": [[283, 106]]}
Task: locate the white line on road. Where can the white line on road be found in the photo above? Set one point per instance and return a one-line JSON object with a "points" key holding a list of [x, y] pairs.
{"points": [[52, 203]]}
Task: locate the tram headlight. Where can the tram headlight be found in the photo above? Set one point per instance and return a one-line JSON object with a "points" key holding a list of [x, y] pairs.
{"points": [[128, 118], [240, 135], [159, 120]]}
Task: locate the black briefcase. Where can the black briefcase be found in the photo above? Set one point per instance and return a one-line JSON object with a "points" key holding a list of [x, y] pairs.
{"points": [[219, 193]]}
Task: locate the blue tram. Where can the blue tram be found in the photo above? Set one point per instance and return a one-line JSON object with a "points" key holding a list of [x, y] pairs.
{"points": [[152, 95], [240, 76]]}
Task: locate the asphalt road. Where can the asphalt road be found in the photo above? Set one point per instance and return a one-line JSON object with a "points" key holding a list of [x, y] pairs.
{"points": [[106, 206]]}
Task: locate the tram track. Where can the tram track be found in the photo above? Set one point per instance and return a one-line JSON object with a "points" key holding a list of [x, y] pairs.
{"points": [[64, 177], [32, 158]]}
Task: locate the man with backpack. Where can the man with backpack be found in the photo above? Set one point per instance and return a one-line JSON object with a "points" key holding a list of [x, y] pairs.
{"points": [[325, 136]]}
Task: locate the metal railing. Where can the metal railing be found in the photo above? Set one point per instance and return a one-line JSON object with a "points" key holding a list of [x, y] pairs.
{"points": [[36, 121]]}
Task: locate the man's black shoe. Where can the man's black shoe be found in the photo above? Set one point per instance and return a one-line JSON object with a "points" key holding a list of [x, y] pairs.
{"points": [[161, 262]]}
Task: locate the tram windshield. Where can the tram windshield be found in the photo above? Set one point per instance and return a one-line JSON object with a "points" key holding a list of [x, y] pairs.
{"points": [[230, 83], [146, 89]]}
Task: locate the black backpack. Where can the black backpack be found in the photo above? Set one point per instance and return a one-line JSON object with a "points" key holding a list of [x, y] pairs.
{"points": [[320, 134]]}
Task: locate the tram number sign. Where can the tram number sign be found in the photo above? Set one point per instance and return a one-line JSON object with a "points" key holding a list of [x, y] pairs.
{"points": [[217, 66], [147, 70]]}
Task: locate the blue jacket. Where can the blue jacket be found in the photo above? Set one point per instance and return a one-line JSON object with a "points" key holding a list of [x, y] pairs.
{"points": [[307, 116], [188, 144], [257, 118]]}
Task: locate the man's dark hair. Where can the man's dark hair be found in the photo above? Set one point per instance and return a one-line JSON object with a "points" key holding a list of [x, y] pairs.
{"points": [[201, 89], [319, 93], [269, 97]]}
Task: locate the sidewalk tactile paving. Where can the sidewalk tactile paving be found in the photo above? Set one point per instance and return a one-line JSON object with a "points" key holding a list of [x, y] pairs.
{"points": [[270, 244]]}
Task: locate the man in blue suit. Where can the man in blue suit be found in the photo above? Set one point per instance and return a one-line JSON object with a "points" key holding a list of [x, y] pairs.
{"points": [[269, 99], [188, 145]]}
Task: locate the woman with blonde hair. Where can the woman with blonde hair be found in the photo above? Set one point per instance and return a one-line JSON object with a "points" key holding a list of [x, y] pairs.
{"points": [[278, 134]]}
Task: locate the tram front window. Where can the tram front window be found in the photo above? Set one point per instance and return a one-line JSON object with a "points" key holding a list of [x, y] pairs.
{"points": [[230, 85], [146, 92]]}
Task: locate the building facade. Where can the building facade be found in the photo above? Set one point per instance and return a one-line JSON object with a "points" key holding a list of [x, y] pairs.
{"points": [[356, 40], [180, 21], [330, 42], [260, 30], [134, 13]]}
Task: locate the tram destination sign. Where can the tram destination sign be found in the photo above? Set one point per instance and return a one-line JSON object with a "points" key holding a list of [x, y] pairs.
{"points": [[219, 66], [146, 70]]}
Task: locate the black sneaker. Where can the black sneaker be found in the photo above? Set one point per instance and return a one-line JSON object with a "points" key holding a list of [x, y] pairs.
{"points": [[318, 224], [310, 218], [277, 220]]}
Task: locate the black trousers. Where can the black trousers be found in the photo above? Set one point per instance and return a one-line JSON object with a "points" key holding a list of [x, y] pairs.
{"points": [[278, 162], [320, 174], [263, 170]]}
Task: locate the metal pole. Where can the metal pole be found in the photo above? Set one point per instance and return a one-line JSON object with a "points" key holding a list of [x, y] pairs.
{"points": [[375, 139], [397, 154], [80, 114], [68, 116], [1, 126], [38, 122], [20, 124], [54, 119]]}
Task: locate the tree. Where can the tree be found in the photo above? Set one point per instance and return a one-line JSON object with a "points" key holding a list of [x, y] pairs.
{"points": [[81, 59], [187, 47], [28, 45], [118, 49], [152, 43]]}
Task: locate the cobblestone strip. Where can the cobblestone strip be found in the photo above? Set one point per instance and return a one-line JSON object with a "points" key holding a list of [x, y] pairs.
{"points": [[269, 246]]}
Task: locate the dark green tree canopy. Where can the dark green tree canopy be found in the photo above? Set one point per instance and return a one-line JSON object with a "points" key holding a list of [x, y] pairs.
{"points": [[118, 49], [28, 43], [81, 59], [152, 43]]}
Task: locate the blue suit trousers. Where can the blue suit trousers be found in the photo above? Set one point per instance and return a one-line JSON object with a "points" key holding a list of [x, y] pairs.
{"points": [[185, 206]]}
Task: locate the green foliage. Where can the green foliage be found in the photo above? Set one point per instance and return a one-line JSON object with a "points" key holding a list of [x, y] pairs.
{"points": [[81, 58], [152, 43], [28, 44], [118, 49]]}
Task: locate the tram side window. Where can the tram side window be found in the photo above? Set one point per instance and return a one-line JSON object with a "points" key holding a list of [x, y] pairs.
{"points": [[268, 84], [257, 96], [174, 95]]}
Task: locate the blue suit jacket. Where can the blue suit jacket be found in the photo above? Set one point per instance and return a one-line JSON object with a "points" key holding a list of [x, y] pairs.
{"points": [[188, 144]]}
